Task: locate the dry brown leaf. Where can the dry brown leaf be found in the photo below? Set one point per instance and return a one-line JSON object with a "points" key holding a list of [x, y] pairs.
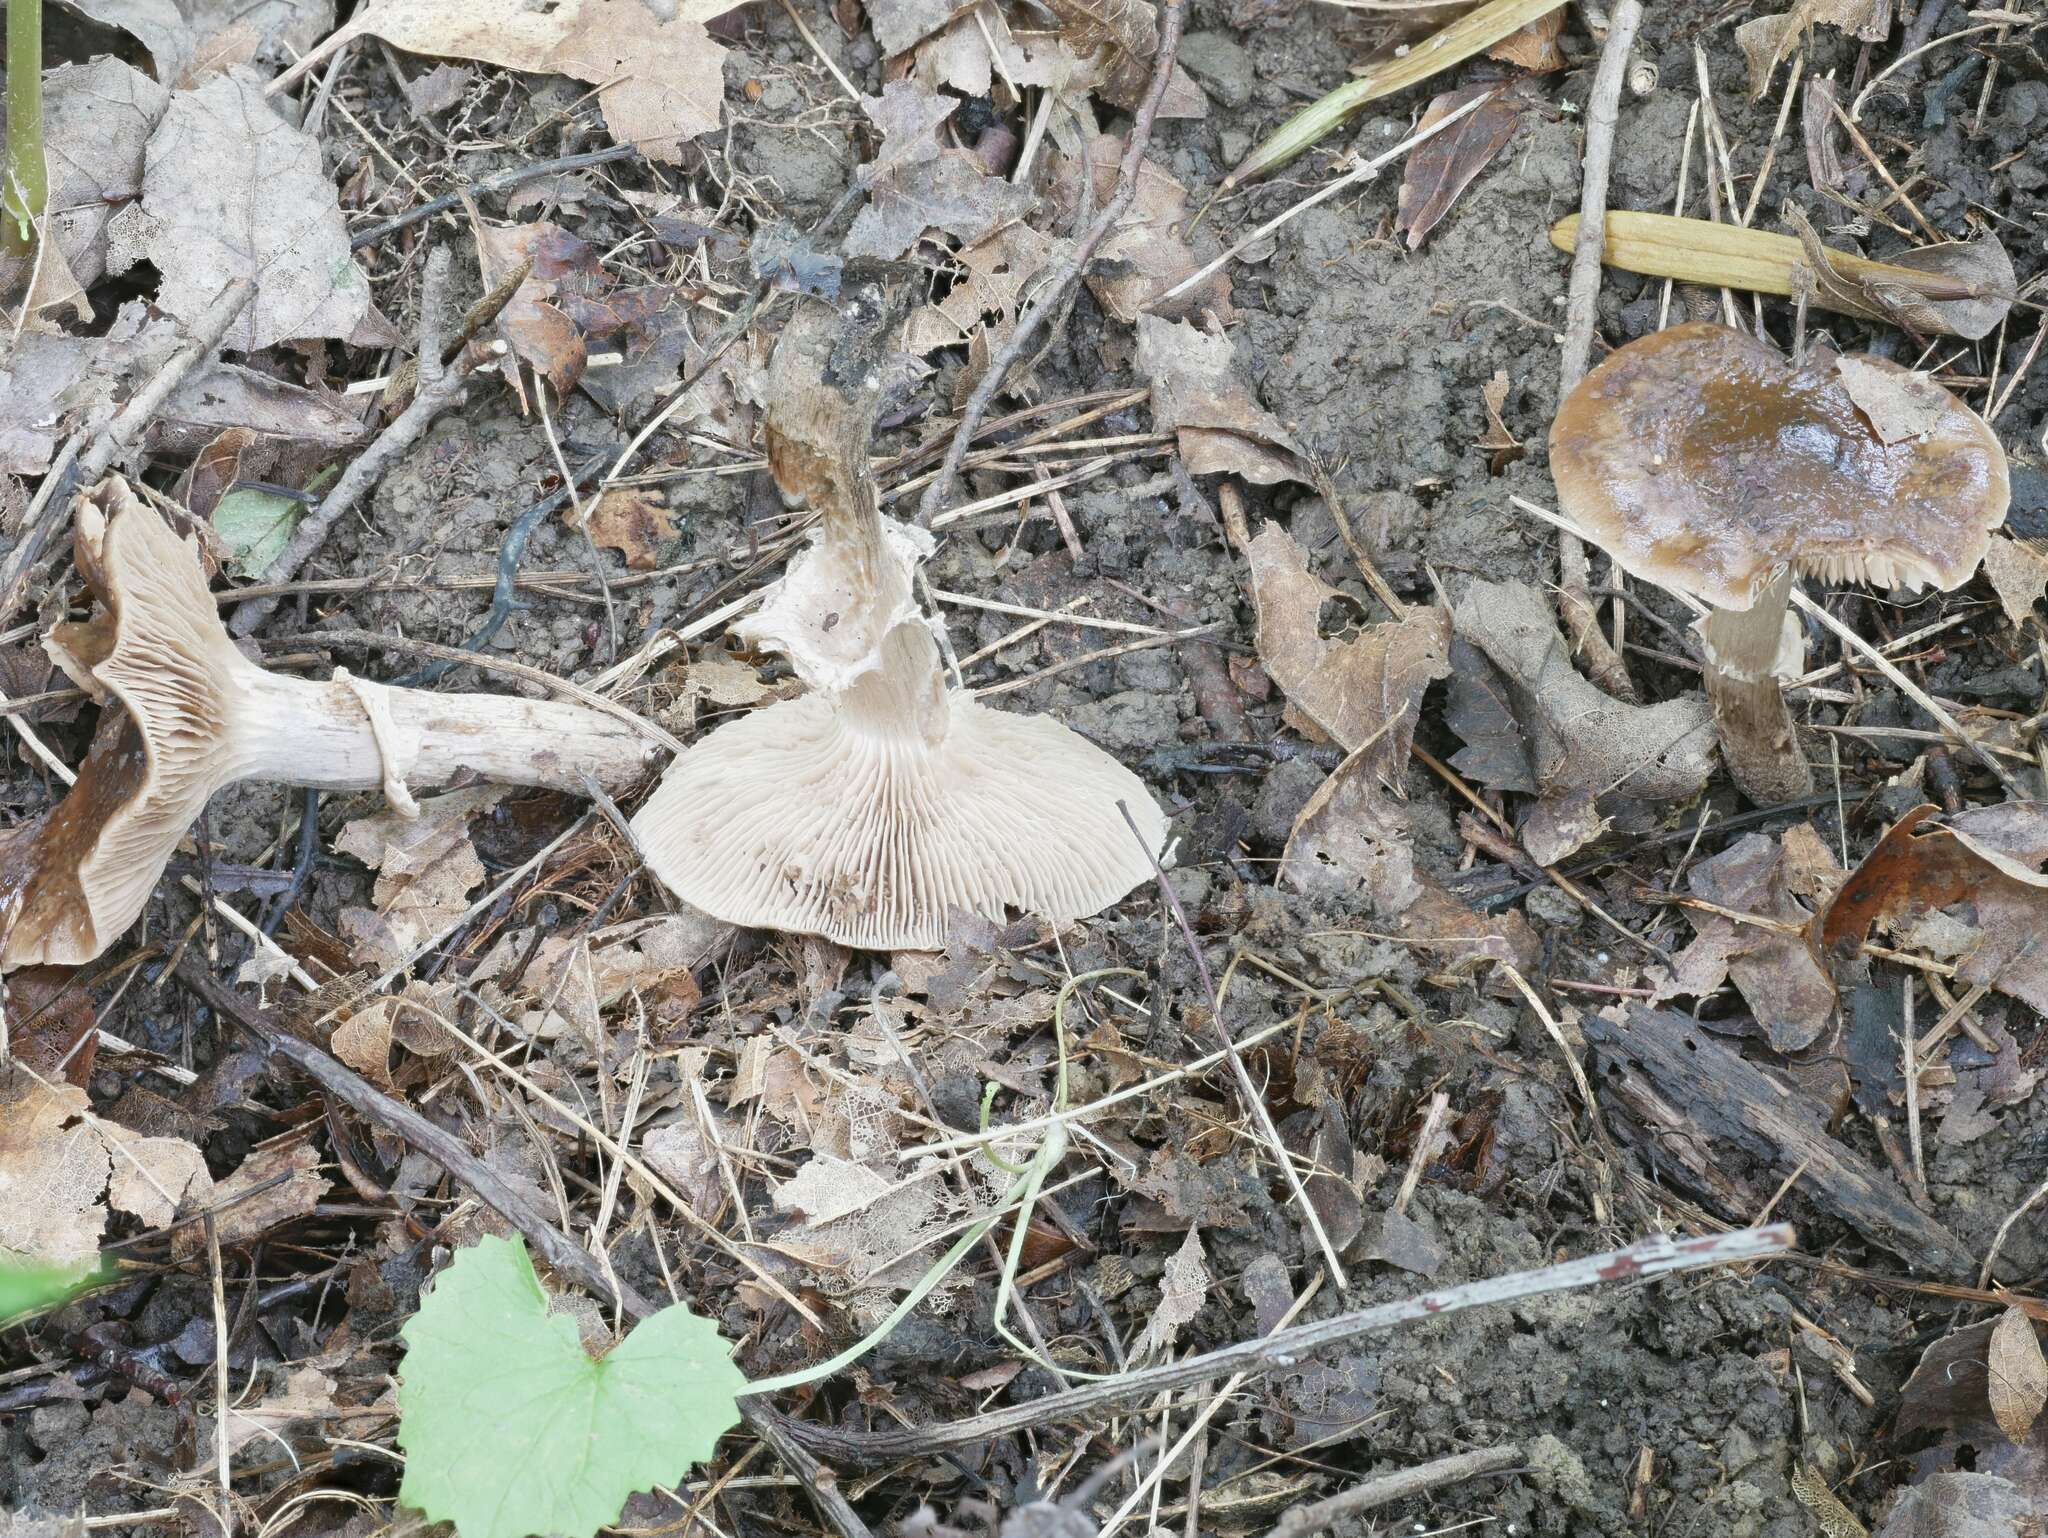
{"points": [[61, 1167], [426, 869], [1441, 169], [1502, 446], [901, 24], [1197, 395], [917, 183], [660, 76], [1951, 1505], [1115, 41], [1147, 251], [1900, 404], [632, 520], [1584, 746], [308, 1394], [582, 975], [1536, 48], [988, 296], [231, 190], [1767, 39], [1988, 857], [1790, 995], [2018, 1383], [2018, 572], [273, 1185], [97, 120], [1364, 693]]}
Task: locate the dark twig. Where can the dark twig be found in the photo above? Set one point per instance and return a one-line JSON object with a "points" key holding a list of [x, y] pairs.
{"points": [[818, 1481], [1602, 109], [1283, 1350], [496, 182], [560, 1252], [1172, 15], [439, 388]]}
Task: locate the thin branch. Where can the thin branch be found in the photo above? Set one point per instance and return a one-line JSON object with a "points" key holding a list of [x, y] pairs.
{"points": [[1603, 106]]}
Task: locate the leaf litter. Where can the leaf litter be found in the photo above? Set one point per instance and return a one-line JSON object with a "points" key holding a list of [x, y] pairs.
{"points": [[775, 1097]]}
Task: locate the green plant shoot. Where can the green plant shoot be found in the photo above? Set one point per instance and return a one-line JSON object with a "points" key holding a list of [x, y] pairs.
{"points": [[28, 180]]}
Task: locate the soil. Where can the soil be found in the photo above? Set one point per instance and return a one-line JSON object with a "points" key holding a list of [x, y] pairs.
{"points": [[1677, 1409]]}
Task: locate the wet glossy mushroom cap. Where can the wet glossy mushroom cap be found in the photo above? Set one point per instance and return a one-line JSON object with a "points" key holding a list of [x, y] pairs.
{"points": [[1701, 460]]}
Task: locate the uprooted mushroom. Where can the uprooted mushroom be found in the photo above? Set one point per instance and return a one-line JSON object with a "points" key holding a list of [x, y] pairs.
{"points": [[1703, 461], [189, 714], [873, 807]]}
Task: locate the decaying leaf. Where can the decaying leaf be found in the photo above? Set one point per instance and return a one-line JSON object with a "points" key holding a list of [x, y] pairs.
{"points": [[901, 24], [1352, 843], [1900, 404], [1147, 252], [308, 1394], [1479, 711], [1951, 1505], [1446, 165], [1767, 39], [632, 520], [273, 1185], [986, 299], [1988, 857], [660, 76], [1183, 1289], [426, 869], [1502, 446], [1584, 746], [1363, 693], [1537, 47], [828, 1188], [570, 979], [2018, 572], [1198, 396], [2018, 1375], [189, 40], [62, 1167], [97, 121], [1115, 41], [233, 190], [917, 183], [1785, 988]]}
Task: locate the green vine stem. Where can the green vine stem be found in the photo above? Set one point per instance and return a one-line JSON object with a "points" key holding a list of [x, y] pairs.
{"points": [[28, 183]]}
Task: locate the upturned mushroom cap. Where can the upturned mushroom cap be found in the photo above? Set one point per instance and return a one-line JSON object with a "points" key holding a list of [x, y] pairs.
{"points": [[1701, 460], [870, 818], [872, 809], [84, 874]]}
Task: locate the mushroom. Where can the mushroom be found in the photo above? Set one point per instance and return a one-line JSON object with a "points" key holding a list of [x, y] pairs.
{"points": [[871, 808], [1704, 462], [196, 715]]}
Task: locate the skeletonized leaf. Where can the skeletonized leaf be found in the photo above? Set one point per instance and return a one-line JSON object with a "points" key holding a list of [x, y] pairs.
{"points": [[2018, 573], [2019, 1375]]}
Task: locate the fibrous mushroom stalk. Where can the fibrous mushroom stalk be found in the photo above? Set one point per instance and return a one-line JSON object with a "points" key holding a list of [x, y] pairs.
{"points": [[1750, 655], [189, 714]]}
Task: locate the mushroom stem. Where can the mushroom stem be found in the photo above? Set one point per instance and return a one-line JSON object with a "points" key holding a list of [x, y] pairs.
{"points": [[1746, 668], [324, 735]]}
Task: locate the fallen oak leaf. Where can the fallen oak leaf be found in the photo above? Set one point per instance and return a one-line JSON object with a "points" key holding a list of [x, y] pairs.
{"points": [[1198, 396]]}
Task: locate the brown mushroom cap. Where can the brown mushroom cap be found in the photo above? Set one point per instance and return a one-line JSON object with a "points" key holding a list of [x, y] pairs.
{"points": [[1702, 460], [871, 815]]}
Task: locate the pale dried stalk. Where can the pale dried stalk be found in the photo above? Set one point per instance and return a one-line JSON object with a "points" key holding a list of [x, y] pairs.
{"points": [[1603, 108]]}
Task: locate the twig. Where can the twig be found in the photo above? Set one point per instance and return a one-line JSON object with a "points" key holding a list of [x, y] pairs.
{"points": [[1318, 1515], [497, 182], [1171, 17], [1998, 1240], [559, 1251], [438, 389], [818, 1481], [97, 454], [1913, 692], [1432, 1123], [1603, 108], [1254, 1099], [1658, 1255]]}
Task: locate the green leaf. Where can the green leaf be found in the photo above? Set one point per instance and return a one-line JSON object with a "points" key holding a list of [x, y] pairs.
{"points": [[28, 1288], [256, 526], [511, 1429]]}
